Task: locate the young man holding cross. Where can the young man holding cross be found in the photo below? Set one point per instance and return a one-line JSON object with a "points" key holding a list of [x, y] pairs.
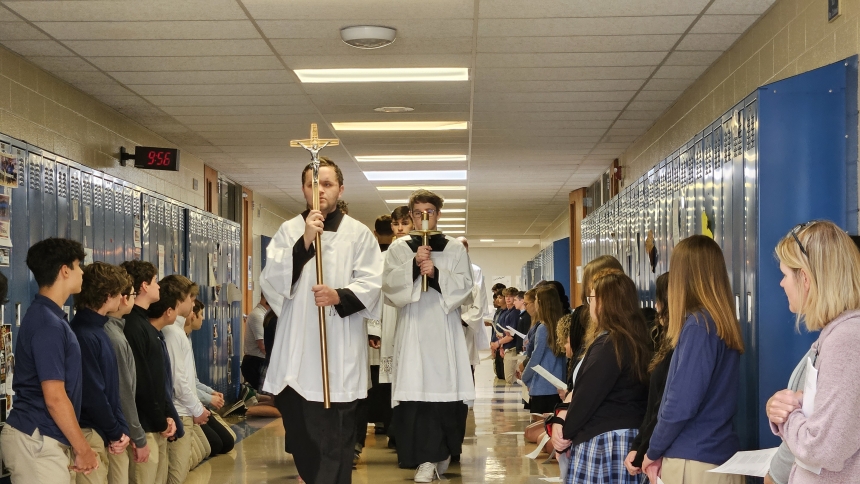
{"points": [[432, 383], [321, 440]]}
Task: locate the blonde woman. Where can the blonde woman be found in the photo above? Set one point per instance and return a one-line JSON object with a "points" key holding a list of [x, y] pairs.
{"points": [[694, 432], [821, 278]]}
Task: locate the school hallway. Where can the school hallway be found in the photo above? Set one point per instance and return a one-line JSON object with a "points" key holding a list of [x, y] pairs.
{"points": [[493, 451]]}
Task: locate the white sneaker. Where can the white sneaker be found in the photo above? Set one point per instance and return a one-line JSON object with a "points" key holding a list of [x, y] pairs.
{"points": [[426, 472], [442, 466]]}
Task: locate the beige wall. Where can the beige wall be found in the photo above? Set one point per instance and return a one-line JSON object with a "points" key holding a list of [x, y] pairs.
{"points": [[44, 111], [502, 261], [267, 219], [558, 229], [792, 37]]}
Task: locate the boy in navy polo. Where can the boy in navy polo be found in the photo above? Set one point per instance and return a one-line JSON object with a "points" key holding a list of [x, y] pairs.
{"points": [[102, 421], [43, 425]]}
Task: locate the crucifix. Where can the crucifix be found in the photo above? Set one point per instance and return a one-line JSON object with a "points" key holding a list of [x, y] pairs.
{"points": [[314, 145]]}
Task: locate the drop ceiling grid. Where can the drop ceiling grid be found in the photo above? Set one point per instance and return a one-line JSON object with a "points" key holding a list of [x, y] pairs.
{"points": [[554, 81]]}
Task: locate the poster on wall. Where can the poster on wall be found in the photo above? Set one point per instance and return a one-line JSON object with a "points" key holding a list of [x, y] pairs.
{"points": [[160, 261], [8, 170], [5, 217]]}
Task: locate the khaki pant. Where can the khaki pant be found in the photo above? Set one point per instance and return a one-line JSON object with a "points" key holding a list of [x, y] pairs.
{"points": [[154, 470], [100, 475], [681, 471], [511, 365], [179, 454], [35, 459], [118, 466]]}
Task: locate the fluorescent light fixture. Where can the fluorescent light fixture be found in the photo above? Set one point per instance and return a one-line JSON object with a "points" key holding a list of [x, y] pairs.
{"points": [[412, 188], [401, 126], [392, 74], [403, 201], [455, 231], [453, 210], [406, 158], [415, 175], [451, 226], [488, 240], [451, 219]]}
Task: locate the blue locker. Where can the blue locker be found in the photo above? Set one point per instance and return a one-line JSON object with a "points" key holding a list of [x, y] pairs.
{"points": [[98, 217], [63, 209]]}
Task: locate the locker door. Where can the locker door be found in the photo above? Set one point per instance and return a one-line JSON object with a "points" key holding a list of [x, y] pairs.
{"points": [[708, 178], [63, 206], [119, 239], [675, 220], [98, 217], [183, 241], [34, 194], [49, 196], [109, 219], [717, 210], [87, 208], [663, 219], [698, 183], [145, 215], [128, 221], [137, 222], [21, 289], [76, 220]]}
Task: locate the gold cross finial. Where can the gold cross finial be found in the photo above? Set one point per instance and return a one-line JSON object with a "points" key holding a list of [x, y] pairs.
{"points": [[313, 144]]}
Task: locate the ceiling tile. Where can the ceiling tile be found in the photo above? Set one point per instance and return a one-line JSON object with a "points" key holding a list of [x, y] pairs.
{"points": [[248, 63], [712, 42], [143, 10], [557, 27], [35, 48], [724, 24], [579, 43], [407, 28], [693, 58], [377, 61], [571, 60], [151, 30], [202, 77], [381, 10], [587, 8], [20, 31], [561, 73], [168, 48], [401, 47], [754, 7]]}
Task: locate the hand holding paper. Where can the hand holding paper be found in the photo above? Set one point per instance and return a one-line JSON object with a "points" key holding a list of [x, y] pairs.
{"points": [[556, 382]]}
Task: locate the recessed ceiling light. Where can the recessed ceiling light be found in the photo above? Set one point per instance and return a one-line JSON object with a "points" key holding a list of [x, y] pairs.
{"points": [[368, 36], [395, 74], [451, 219], [451, 226], [394, 109], [415, 175], [388, 158], [412, 188], [488, 240], [401, 126]]}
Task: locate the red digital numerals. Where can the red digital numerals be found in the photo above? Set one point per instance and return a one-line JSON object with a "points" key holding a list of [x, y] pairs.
{"points": [[159, 158]]}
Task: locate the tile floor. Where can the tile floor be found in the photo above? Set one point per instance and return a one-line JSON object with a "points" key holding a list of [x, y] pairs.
{"points": [[493, 451]]}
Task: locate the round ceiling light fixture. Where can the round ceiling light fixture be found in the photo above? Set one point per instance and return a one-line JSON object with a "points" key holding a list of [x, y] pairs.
{"points": [[368, 36], [394, 109]]}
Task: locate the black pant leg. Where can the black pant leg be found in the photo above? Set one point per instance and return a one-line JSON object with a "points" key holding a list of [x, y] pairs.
{"points": [[362, 410], [252, 367], [213, 438], [224, 435], [296, 439]]}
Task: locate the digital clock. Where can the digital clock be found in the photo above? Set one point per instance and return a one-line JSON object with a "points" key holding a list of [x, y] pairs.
{"points": [[149, 158]]}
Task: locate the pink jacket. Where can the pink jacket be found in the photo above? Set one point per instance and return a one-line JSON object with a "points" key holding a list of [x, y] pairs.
{"points": [[830, 438]]}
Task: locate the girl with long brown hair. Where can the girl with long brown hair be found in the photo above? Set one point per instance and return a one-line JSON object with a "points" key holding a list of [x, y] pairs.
{"points": [[543, 396], [694, 433], [609, 397]]}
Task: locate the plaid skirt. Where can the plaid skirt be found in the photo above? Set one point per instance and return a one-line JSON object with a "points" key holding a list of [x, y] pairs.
{"points": [[601, 460]]}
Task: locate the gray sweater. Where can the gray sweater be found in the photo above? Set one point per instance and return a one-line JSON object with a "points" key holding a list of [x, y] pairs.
{"points": [[780, 465], [127, 379], [828, 438]]}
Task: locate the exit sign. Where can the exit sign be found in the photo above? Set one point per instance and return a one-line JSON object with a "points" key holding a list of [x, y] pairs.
{"points": [[832, 10]]}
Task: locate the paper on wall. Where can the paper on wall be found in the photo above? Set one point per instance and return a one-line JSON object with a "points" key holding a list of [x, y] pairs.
{"points": [[550, 377], [749, 463]]}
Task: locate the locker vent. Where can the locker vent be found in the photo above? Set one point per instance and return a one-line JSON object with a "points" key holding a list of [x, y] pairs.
{"points": [[35, 172], [48, 174], [87, 193], [97, 192], [108, 196], [76, 185], [63, 183]]}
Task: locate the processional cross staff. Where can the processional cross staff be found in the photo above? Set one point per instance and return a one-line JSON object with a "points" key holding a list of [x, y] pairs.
{"points": [[314, 145]]}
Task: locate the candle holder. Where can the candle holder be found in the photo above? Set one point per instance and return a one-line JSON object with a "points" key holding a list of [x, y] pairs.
{"points": [[425, 234]]}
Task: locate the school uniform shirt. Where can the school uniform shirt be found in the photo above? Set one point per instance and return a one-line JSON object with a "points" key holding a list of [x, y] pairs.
{"points": [[102, 409], [431, 363], [153, 407], [47, 349], [127, 379], [352, 265], [185, 398]]}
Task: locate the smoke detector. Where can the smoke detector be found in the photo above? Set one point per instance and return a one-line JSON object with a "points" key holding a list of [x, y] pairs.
{"points": [[368, 36]]}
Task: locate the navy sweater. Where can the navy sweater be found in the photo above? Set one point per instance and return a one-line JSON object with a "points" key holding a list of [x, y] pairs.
{"points": [[700, 400], [101, 409]]}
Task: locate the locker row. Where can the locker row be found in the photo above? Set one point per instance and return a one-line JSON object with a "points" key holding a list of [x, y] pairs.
{"points": [[116, 220]]}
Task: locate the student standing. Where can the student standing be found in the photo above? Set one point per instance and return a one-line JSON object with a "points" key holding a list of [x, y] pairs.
{"points": [[154, 406], [321, 440], [255, 352], [138, 451], [42, 429], [102, 420], [546, 352], [432, 377], [176, 300], [694, 431]]}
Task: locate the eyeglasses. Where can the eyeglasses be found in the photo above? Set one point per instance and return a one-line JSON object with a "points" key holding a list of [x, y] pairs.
{"points": [[797, 228], [590, 299], [417, 213]]}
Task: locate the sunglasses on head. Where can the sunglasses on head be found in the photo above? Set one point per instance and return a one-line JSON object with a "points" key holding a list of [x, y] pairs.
{"points": [[797, 228]]}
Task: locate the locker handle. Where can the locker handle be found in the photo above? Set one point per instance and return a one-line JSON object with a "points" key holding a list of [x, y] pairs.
{"points": [[738, 307], [749, 307], [17, 314]]}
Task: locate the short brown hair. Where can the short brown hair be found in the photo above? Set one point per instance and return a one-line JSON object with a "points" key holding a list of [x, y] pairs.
{"points": [[425, 196], [324, 162], [102, 281], [198, 306], [174, 289], [510, 291], [141, 271]]}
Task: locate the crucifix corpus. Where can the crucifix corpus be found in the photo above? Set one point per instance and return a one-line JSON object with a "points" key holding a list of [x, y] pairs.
{"points": [[314, 145]]}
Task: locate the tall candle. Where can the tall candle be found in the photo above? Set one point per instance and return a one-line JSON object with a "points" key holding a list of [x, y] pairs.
{"points": [[425, 224]]}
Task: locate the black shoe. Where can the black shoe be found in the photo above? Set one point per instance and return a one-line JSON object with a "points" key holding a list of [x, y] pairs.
{"points": [[455, 458]]}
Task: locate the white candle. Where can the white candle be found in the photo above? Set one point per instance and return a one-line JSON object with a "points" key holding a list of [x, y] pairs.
{"points": [[425, 225]]}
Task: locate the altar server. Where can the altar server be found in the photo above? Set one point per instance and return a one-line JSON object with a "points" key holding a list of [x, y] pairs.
{"points": [[432, 376], [321, 440]]}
